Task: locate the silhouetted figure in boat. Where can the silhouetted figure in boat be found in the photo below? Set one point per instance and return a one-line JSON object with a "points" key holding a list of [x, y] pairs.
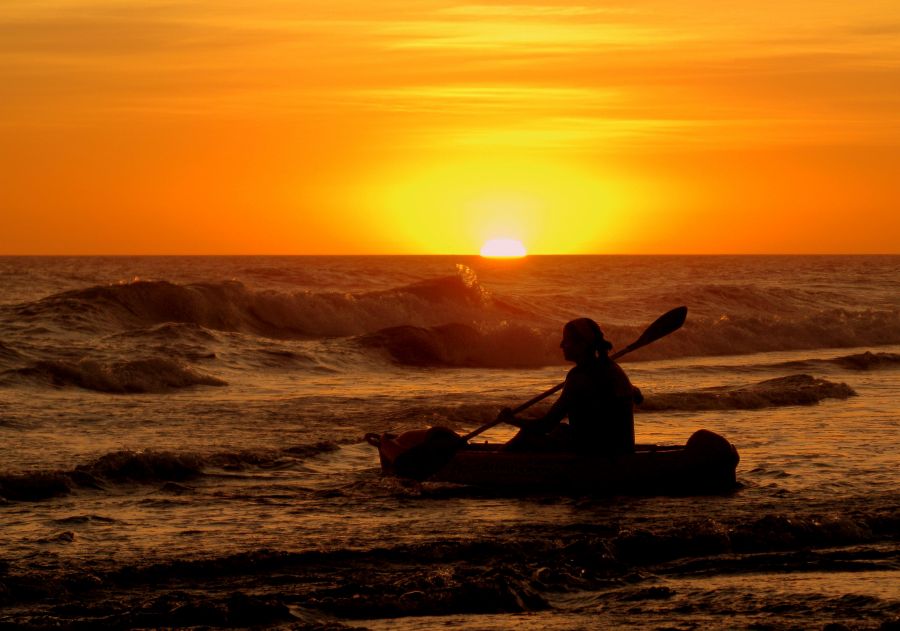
{"points": [[597, 398]]}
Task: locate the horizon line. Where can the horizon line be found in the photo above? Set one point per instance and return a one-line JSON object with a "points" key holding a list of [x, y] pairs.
{"points": [[445, 254]]}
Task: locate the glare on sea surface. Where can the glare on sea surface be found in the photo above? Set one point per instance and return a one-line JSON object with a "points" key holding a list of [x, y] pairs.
{"points": [[503, 248]]}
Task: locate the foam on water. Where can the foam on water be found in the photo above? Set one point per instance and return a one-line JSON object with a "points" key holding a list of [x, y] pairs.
{"points": [[148, 466], [776, 392], [139, 491], [154, 374], [231, 306]]}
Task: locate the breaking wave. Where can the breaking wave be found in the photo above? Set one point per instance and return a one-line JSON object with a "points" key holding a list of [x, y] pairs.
{"points": [[171, 332], [155, 374], [507, 345], [146, 467], [454, 321], [460, 345], [778, 392], [230, 306], [741, 334], [859, 361]]}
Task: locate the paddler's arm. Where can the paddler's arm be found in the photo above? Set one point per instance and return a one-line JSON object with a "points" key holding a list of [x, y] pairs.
{"points": [[542, 424]]}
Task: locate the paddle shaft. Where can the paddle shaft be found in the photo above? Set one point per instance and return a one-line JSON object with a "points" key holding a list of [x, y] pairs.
{"points": [[667, 323]]}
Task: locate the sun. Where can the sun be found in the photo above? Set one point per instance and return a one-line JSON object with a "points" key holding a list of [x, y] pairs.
{"points": [[503, 248]]}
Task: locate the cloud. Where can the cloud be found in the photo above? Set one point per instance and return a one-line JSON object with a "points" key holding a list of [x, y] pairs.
{"points": [[509, 33], [479, 99], [532, 11], [562, 74]]}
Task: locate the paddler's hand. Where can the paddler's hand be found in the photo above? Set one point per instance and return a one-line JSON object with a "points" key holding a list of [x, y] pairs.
{"points": [[507, 416], [636, 395]]}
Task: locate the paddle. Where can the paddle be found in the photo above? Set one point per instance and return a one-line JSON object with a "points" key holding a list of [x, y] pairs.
{"points": [[437, 447]]}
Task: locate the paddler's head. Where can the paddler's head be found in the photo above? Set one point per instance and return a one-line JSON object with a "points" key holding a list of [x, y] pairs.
{"points": [[583, 340]]}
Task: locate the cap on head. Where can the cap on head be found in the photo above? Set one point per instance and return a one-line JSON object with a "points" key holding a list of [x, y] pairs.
{"points": [[589, 331]]}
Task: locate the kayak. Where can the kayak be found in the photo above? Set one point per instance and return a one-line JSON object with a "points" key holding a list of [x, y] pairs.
{"points": [[706, 464]]}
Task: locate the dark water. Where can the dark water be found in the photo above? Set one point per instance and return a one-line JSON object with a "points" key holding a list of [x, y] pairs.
{"points": [[181, 443]]}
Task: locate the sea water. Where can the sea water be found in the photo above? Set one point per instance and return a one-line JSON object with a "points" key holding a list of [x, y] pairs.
{"points": [[181, 443]]}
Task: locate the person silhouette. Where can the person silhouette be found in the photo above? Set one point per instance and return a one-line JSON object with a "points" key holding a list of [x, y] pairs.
{"points": [[598, 399]]}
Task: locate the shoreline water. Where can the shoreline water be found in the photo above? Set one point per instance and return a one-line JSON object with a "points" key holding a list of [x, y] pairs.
{"points": [[255, 499]]}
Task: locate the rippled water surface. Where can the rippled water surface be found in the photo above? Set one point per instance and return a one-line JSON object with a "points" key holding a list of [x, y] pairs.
{"points": [[181, 443]]}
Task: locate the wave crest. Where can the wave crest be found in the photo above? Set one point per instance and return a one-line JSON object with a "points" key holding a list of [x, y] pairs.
{"points": [[860, 361], [148, 375], [230, 306], [778, 392], [730, 334], [460, 345], [148, 466], [454, 321]]}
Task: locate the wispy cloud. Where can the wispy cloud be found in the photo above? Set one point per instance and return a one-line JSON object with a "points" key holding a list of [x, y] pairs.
{"points": [[533, 11], [327, 104], [516, 36], [474, 100], [529, 70]]}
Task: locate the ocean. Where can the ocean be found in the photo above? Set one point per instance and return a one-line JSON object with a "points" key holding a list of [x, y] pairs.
{"points": [[181, 443]]}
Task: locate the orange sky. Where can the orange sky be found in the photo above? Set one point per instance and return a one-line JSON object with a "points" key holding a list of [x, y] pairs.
{"points": [[421, 126]]}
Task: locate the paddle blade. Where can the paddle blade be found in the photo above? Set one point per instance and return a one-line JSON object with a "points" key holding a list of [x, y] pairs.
{"points": [[664, 325], [419, 454]]}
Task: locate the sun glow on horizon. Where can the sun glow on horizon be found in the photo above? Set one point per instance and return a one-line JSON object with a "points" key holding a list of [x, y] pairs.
{"points": [[430, 127], [503, 248], [533, 199]]}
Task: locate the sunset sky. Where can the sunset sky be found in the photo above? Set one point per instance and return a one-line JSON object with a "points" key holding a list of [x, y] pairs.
{"points": [[425, 126]]}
